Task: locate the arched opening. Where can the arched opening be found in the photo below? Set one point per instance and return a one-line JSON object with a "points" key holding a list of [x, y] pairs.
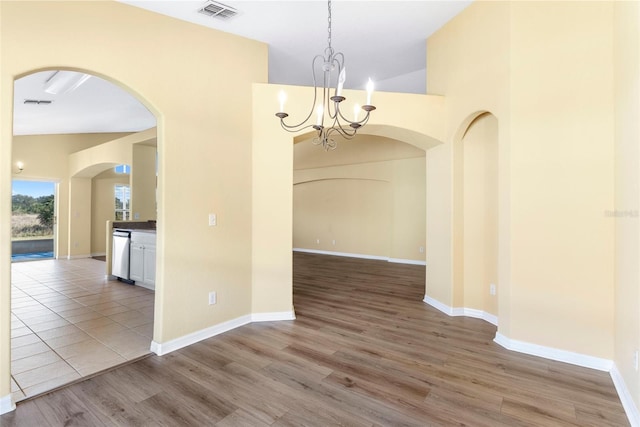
{"points": [[365, 199], [475, 216], [75, 320], [273, 175]]}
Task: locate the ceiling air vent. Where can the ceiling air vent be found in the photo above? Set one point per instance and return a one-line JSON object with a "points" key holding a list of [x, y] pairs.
{"points": [[218, 10], [37, 101]]}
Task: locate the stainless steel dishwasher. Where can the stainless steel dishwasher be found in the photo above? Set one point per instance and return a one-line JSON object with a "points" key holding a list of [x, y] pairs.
{"points": [[120, 254]]}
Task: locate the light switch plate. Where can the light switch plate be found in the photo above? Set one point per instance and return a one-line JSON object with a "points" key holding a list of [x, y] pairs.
{"points": [[213, 220]]}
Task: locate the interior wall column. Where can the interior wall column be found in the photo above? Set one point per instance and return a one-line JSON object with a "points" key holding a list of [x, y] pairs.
{"points": [[272, 211], [79, 218], [6, 108], [439, 244]]}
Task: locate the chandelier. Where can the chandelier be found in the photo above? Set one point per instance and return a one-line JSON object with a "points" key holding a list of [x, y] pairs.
{"points": [[331, 66]]}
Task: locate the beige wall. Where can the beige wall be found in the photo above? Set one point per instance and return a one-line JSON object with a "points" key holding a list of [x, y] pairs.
{"points": [[6, 165], [479, 35], [103, 206], [439, 246], [408, 239], [368, 196], [555, 151], [478, 266], [46, 157], [374, 209], [202, 124], [58, 157], [562, 251], [627, 195], [79, 221], [348, 215]]}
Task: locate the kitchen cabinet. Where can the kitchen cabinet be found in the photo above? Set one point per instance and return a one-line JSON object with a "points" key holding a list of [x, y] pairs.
{"points": [[142, 268]]}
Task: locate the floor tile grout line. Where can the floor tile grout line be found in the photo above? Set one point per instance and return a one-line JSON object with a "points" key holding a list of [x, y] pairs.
{"points": [[51, 292], [18, 384]]}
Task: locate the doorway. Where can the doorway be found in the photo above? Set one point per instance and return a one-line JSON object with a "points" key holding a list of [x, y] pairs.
{"points": [[68, 319], [33, 220]]}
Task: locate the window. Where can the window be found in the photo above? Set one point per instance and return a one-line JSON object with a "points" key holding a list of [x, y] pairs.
{"points": [[123, 169], [123, 202]]}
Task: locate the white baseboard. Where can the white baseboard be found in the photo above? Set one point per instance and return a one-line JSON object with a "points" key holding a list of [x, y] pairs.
{"points": [[270, 317], [461, 311], [479, 314], [551, 353], [625, 397], [98, 254], [407, 261], [439, 305], [167, 347], [554, 353], [6, 404], [362, 256], [344, 254], [78, 256]]}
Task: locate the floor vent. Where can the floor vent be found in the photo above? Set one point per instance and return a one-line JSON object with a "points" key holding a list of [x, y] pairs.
{"points": [[218, 10]]}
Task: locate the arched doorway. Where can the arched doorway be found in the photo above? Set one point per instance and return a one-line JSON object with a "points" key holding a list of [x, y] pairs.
{"points": [[416, 120], [71, 326], [365, 199]]}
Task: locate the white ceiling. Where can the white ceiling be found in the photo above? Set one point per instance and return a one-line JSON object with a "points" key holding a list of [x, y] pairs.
{"points": [[381, 39], [94, 107]]}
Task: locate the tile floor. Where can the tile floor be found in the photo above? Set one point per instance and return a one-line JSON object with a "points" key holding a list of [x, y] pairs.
{"points": [[69, 321]]}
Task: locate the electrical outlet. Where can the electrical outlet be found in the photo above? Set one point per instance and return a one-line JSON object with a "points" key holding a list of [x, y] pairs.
{"points": [[333, 242], [492, 289], [136, 215], [213, 220], [421, 249], [212, 298], [318, 241], [635, 360]]}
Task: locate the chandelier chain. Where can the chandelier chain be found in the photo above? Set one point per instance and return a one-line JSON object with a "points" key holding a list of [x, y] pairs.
{"points": [[329, 24]]}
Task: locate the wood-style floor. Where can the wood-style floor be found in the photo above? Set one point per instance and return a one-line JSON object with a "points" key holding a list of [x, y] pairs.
{"points": [[363, 351]]}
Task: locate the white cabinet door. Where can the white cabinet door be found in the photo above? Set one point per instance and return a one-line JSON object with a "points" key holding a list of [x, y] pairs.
{"points": [[136, 263], [143, 254]]}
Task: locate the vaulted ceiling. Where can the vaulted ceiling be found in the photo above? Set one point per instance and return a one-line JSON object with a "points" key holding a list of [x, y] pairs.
{"points": [[384, 40]]}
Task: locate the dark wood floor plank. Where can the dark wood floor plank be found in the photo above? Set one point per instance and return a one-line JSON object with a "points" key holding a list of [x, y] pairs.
{"points": [[190, 399], [241, 418], [132, 383], [110, 402], [364, 350], [28, 415], [63, 408], [594, 416], [306, 401], [225, 387]]}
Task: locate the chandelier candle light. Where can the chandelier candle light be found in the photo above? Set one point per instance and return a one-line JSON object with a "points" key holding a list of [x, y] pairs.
{"points": [[332, 64]]}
